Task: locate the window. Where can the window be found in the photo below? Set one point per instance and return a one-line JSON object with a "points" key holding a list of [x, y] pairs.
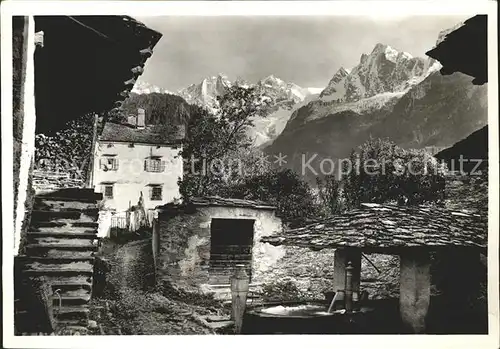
{"points": [[154, 165], [156, 192], [108, 191], [109, 163]]}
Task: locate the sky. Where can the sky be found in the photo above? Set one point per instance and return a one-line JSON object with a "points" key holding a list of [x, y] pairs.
{"points": [[306, 50]]}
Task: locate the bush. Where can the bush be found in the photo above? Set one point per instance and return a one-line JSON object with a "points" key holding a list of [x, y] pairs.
{"points": [[294, 200], [382, 172]]}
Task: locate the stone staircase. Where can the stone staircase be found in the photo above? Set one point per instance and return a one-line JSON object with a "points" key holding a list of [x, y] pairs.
{"points": [[59, 247]]}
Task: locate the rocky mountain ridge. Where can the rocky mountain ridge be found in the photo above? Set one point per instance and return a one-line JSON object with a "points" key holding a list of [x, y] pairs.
{"points": [[389, 94]]}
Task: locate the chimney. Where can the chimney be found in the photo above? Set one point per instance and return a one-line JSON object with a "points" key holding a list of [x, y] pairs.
{"points": [[131, 120], [181, 132], [141, 118]]}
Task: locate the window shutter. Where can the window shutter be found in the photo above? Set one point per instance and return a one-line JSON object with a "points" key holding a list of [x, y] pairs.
{"points": [[145, 165], [116, 164], [162, 166], [100, 163]]}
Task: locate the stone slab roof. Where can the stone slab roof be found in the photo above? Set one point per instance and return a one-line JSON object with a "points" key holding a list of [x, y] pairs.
{"points": [[156, 134], [231, 202], [390, 227], [217, 201]]}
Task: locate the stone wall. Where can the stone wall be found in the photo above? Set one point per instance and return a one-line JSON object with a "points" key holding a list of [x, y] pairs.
{"points": [[182, 243], [19, 34], [23, 121], [44, 181], [131, 265], [312, 272]]}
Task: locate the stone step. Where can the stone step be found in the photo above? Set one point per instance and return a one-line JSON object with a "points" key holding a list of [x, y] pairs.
{"points": [[83, 222], [39, 271], [70, 300], [63, 205], [62, 246], [85, 234], [58, 253], [48, 216], [69, 282], [56, 260], [65, 291], [219, 325], [72, 322], [70, 241], [56, 266], [63, 228], [71, 315], [72, 194]]}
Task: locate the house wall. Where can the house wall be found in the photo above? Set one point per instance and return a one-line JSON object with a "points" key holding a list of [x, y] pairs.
{"points": [[24, 120], [130, 179], [181, 243]]}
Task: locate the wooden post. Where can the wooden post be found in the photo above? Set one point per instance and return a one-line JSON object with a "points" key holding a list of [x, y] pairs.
{"points": [[342, 257], [414, 290], [240, 284], [348, 287]]}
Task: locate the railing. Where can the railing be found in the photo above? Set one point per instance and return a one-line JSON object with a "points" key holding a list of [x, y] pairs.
{"points": [[118, 226]]}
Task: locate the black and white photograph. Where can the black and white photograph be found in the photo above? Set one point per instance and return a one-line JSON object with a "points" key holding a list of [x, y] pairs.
{"points": [[236, 168]]}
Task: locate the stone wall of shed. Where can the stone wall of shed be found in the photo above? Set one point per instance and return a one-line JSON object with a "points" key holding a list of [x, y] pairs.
{"points": [[181, 243], [312, 272]]}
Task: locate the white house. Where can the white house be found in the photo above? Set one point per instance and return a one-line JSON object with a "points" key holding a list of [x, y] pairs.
{"points": [[133, 159]]}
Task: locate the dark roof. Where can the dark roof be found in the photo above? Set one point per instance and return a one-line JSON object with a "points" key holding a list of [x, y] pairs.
{"points": [[152, 134], [474, 146], [387, 227], [465, 50], [221, 202], [88, 64]]}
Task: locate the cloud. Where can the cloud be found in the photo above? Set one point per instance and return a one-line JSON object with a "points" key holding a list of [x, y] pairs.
{"points": [[306, 50]]}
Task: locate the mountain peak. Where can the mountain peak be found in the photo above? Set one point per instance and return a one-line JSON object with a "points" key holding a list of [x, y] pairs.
{"points": [[272, 79], [341, 72], [385, 69], [206, 92], [379, 47]]}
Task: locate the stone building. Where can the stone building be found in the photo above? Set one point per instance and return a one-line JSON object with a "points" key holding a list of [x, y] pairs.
{"points": [[64, 67], [199, 243], [413, 234], [132, 161]]}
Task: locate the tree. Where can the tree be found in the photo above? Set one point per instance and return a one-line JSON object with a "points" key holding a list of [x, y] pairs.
{"points": [[293, 198], [383, 172], [212, 138], [330, 195], [68, 150]]}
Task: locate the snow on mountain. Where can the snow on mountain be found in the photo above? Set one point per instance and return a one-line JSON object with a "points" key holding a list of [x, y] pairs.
{"points": [[314, 90], [388, 94], [141, 87], [206, 92], [383, 70], [284, 96], [267, 129]]}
